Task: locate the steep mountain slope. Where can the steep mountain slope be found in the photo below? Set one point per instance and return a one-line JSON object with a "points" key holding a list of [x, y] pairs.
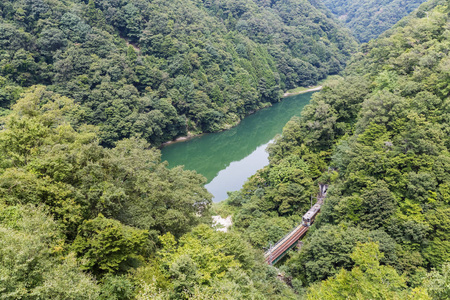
{"points": [[380, 137], [157, 69], [369, 18], [87, 208], [80, 221], [306, 42]]}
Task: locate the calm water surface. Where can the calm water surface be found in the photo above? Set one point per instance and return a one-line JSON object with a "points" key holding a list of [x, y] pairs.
{"points": [[228, 158]]}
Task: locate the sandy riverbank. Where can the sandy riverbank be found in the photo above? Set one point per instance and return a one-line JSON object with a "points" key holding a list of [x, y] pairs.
{"points": [[181, 139], [222, 224], [302, 92]]}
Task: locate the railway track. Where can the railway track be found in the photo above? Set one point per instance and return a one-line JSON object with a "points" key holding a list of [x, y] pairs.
{"points": [[284, 245], [276, 252]]}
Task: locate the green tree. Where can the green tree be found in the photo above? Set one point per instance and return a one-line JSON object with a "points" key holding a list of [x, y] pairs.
{"points": [[107, 246], [377, 206], [367, 280], [33, 264], [328, 250], [211, 264], [438, 283], [48, 161]]}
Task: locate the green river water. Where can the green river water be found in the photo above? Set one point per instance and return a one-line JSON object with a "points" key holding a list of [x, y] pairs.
{"points": [[229, 157]]}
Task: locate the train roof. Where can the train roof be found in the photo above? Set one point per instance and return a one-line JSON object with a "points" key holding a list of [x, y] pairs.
{"points": [[313, 211]]}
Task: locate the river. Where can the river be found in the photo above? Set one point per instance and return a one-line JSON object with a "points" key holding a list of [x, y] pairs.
{"points": [[229, 157]]}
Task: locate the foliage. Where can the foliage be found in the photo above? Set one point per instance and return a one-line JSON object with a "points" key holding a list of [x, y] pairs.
{"points": [[47, 161], [207, 264], [116, 287], [108, 205], [328, 250], [367, 280], [379, 136], [270, 200], [142, 72], [438, 283], [157, 69], [367, 18], [32, 264], [106, 246]]}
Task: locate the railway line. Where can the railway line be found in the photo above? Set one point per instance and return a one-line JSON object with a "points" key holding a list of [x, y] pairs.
{"points": [[279, 250]]}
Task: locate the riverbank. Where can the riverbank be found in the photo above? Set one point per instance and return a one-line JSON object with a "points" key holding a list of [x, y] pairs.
{"points": [[222, 224], [302, 91], [181, 139], [290, 93]]}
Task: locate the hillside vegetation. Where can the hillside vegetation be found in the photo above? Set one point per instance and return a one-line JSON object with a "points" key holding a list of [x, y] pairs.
{"points": [[87, 88], [80, 221], [369, 18], [89, 211], [380, 137], [158, 69]]}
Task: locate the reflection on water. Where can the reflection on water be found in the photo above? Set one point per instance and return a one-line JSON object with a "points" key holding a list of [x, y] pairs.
{"points": [[224, 158], [232, 178]]}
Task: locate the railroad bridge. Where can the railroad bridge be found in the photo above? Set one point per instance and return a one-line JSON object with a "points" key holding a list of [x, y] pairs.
{"points": [[289, 241]]}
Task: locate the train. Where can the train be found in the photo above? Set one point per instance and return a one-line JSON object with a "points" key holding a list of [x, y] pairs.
{"points": [[308, 218], [276, 252]]}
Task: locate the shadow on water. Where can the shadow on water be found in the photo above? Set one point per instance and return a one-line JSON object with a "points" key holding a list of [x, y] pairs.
{"points": [[211, 154]]}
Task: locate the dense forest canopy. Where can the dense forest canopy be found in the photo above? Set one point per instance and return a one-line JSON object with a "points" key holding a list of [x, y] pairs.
{"points": [[369, 18], [158, 69], [80, 221], [379, 135], [89, 211], [87, 208]]}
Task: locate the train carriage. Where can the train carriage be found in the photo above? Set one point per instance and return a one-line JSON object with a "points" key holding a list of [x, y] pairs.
{"points": [[309, 217]]}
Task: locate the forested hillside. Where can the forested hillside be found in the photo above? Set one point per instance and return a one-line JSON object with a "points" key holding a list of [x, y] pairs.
{"points": [[369, 18], [80, 221], [87, 208], [89, 211], [379, 135], [158, 69]]}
